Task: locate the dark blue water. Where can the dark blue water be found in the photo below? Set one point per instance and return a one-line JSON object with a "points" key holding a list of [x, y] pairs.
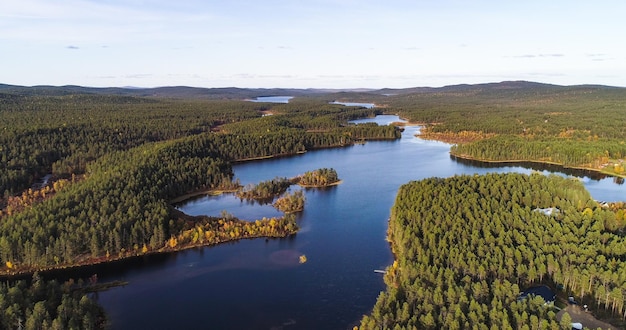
{"points": [[259, 284]]}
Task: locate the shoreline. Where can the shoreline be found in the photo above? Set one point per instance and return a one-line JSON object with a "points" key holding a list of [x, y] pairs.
{"points": [[515, 161], [518, 161], [90, 262], [129, 256], [336, 183], [209, 192]]}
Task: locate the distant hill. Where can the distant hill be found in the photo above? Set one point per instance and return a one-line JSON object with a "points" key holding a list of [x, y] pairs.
{"points": [[165, 92], [467, 87], [185, 92]]}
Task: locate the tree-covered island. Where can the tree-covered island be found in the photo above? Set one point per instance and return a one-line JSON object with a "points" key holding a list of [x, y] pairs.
{"points": [[291, 202], [265, 190], [322, 177]]}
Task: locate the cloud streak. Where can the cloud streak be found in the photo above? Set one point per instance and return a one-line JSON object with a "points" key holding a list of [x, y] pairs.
{"points": [[537, 55]]}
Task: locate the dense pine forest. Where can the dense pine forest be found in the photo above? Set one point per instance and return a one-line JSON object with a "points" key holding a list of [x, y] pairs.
{"points": [[44, 304], [126, 157], [578, 126], [88, 176], [467, 246]]}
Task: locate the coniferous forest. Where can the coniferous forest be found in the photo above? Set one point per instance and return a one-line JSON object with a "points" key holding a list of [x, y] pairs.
{"points": [[127, 157], [88, 176], [467, 246]]}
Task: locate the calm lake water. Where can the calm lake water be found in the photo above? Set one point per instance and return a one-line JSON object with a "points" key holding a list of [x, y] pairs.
{"points": [[259, 284], [273, 99], [355, 104]]}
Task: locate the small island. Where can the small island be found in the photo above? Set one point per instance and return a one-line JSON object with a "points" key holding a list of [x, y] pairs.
{"points": [[290, 203], [265, 192], [322, 177]]}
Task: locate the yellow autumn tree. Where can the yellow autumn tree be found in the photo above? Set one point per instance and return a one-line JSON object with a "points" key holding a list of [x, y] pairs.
{"points": [[172, 242]]}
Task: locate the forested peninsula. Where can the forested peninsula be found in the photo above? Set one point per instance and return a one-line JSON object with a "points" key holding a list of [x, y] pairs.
{"points": [[467, 246], [577, 127], [87, 176], [133, 155]]}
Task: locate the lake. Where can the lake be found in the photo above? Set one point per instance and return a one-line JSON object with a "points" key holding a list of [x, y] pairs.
{"points": [[285, 99], [355, 104], [272, 99], [259, 284]]}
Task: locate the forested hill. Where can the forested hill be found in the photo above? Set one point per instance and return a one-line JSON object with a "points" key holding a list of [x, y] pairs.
{"points": [[519, 85], [365, 94], [179, 92]]}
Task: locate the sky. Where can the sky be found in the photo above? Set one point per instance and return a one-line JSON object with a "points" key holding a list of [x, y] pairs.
{"points": [[312, 43]]}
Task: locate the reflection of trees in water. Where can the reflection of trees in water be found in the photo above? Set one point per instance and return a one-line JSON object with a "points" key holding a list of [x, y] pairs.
{"points": [[259, 201], [537, 167], [112, 269], [618, 180]]}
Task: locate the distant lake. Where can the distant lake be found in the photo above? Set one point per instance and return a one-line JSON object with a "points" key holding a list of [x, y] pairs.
{"points": [[259, 283], [273, 99], [355, 104]]}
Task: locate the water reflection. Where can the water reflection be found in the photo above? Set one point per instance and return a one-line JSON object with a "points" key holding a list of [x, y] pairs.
{"points": [[549, 168], [231, 204], [355, 104], [273, 99]]}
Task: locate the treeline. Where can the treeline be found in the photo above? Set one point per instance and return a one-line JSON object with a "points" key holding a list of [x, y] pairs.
{"points": [[584, 110], [467, 246], [313, 116], [574, 125], [214, 230], [47, 305], [247, 146], [568, 152]]}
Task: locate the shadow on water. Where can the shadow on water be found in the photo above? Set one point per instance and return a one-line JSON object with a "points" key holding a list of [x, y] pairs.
{"points": [[286, 256], [117, 269], [552, 168]]}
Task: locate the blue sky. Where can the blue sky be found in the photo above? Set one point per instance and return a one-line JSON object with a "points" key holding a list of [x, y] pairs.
{"points": [[310, 44]]}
